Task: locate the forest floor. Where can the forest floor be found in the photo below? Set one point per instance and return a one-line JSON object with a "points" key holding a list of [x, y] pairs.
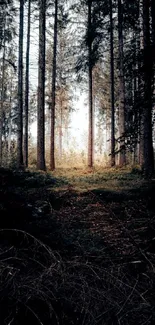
{"points": [[77, 247]]}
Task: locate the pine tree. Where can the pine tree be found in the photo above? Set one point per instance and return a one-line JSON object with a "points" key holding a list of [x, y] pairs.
{"points": [[90, 81], [2, 97], [112, 86], [7, 31], [121, 86], [41, 89], [148, 165], [26, 106], [53, 94], [20, 88], [90, 53], [153, 35]]}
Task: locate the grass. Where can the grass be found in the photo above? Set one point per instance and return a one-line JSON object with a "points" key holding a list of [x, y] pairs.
{"points": [[77, 247], [105, 178]]}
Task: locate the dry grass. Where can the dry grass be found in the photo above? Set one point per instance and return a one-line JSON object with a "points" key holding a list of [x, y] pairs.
{"points": [[104, 178], [73, 257]]}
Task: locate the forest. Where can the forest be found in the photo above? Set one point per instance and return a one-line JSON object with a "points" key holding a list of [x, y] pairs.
{"points": [[77, 153]]}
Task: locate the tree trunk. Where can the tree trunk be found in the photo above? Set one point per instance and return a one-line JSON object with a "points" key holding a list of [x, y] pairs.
{"points": [[27, 87], [2, 102], [153, 20], [134, 92], [20, 89], [140, 88], [153, 37], [60, 127], [112, 87], [122, 159], [9, 134], [90, 126], [148, 165], [10, 120], [41, 89], [53, 95]]}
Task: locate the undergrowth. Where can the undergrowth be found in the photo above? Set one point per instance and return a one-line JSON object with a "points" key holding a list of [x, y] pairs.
{"points": [[71, 257]]}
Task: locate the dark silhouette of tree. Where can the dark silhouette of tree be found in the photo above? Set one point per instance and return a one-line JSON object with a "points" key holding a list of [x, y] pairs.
{"points": [[148, 165], [153, 33], [112, 86], [20, 88], [26, 108], [41, 88], [2, 96], [53, 94], [153, 20], [121, 86], [90, 68], [88, 56]]}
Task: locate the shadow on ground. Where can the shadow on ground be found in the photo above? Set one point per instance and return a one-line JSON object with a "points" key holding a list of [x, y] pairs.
{"points": [[71, 257]]}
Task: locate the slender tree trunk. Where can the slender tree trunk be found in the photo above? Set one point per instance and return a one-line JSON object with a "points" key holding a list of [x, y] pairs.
{"points": [[41, 88], [153, 20], [61, 92], [112, 87], [27, 87], [140, 88], [9, 133], [90, 78], [20, 89], [10, 121], [153, 37], [60, 128], [53, 95], [60, 133], [121, 86], [2, 101], [135, 103], [148, 165], [141, 140]]}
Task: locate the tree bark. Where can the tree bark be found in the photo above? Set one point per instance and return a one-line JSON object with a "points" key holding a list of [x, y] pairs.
{"points": [[148, 165], [41, 88], [153, 38], [140, 88], [112, 87], [122, 159], [60, 135], [20, 89], [27, 87], [153, 20], [53, 95], [2, 101], [90, 126]]}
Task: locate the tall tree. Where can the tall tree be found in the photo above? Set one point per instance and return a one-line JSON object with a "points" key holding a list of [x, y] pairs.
{"points": [[63, 78], [112, 86], [121, 86], [2, 98], [41, 88], [153, 35], [63, 89], [53, 94], [7, 31], [20, 88], [91, 50], [90, 68], [26, 110], [153, 20], [148, 165]]}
